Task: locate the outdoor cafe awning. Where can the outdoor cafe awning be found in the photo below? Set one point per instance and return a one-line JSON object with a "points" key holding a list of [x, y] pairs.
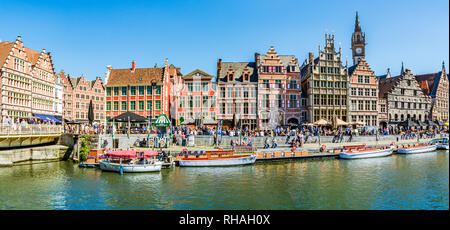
{"points": [[46, 117], [129, 116], [133, 153], [321, 122]]}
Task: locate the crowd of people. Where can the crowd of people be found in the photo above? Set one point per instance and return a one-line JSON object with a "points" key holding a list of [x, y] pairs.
{"points": [[10, 124]]}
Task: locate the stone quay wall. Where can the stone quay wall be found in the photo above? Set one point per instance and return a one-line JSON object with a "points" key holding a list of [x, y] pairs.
{"points": [[44, 153], [105, 141]]}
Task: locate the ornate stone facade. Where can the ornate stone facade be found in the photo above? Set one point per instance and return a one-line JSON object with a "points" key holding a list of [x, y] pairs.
{"points": [[325, 83]]}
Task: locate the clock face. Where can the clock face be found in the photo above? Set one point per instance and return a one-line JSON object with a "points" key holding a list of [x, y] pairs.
{"points": [[358, 50]]}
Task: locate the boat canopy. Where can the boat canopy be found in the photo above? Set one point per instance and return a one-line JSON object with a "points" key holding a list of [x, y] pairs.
{"points": [[133, 153]]}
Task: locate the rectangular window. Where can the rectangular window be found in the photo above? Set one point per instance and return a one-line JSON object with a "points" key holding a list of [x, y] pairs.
{"points": [[133, 91], [158, 90], [197, 101], [149, 105], [124, 91], [149, 90], [205, 101], [205, 86], [197, 87], [158, 105], [141, 90], [124, 106], [108, 106], [141, 105], [237, 92], [266, 84], [132, 105], [360, 79], [108, 92], [116, 91], [190, 86], [278, 83], [293, 101], [366, 79], [116, 106], [245, 108]]}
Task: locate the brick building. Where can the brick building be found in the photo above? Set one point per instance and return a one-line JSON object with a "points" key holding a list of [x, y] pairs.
{"points": [[196, 99], [363, 83], [278, 90], [27, 82], [145, 91]]}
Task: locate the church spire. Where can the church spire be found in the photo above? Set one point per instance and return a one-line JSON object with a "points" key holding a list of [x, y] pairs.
{"points": [[357, 26], [403, 70]]}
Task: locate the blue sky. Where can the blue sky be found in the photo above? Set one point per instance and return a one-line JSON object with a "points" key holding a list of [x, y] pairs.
{"points": [[86, 36]]}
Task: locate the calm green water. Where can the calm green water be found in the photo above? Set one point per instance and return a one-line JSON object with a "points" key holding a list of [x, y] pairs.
{"points": [[417, 181]]}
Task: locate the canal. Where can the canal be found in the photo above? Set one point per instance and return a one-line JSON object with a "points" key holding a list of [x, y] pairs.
{"points": [[398, 182]]}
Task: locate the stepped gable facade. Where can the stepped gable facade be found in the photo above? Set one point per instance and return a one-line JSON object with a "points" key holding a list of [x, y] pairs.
{"points": [[404, 97], [436, 85], [279, 90]]}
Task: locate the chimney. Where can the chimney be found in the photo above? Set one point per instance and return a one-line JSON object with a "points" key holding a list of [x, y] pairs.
{"points": [[311, 57], [219, 64], [133, 66]]}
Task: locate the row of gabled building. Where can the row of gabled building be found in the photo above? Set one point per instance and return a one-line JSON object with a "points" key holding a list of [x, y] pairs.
{"points": [[271, 90], [275, 90]]}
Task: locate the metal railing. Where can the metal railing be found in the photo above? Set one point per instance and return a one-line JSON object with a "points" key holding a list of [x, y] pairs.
{"points": [[27, 129]]}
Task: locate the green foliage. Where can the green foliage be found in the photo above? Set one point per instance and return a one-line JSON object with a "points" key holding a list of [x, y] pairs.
{"points": [[84, 147]]}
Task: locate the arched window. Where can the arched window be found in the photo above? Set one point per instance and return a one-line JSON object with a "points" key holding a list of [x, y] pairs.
{"points": [[402, 117]]}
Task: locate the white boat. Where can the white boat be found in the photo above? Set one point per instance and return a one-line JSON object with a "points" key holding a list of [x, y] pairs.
{"points": [[416, 149], [223, 158], [154, 166], [131, 161], [366, 153], [441, 144]]}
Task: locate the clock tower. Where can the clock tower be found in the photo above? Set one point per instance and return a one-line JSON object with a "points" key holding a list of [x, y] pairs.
{"points": [[358, 43]]}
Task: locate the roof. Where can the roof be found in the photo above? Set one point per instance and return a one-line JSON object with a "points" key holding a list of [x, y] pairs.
{"points": [[351, 69], [140, 76], [238, 68], [200, 72], [5, 48], [33, 55], [429, 83]]}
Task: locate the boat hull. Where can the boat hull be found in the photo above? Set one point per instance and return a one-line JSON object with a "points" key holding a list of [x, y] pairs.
{"points": [[417, 150], [367, 154], [219, 162], [442, 147], [134, 168]]}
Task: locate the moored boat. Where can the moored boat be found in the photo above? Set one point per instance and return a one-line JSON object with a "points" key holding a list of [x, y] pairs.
{"points": [[217, 158], [131, 161], [362, 151], [441, 143], [422, 148]]}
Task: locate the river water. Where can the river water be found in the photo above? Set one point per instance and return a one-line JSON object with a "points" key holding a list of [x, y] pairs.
{"points": [[398, 182]]}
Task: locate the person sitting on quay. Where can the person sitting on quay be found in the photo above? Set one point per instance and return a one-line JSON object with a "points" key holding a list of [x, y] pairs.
{"points": [[274, 143]]}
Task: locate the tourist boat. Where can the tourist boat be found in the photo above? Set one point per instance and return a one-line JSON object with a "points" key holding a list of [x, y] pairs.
{"points": [[441, 143], [418, 148], [362, 151], [130, 161], [216, 158]]}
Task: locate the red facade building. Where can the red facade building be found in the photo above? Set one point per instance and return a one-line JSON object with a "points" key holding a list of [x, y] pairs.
{"points": [[145, 91]]}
